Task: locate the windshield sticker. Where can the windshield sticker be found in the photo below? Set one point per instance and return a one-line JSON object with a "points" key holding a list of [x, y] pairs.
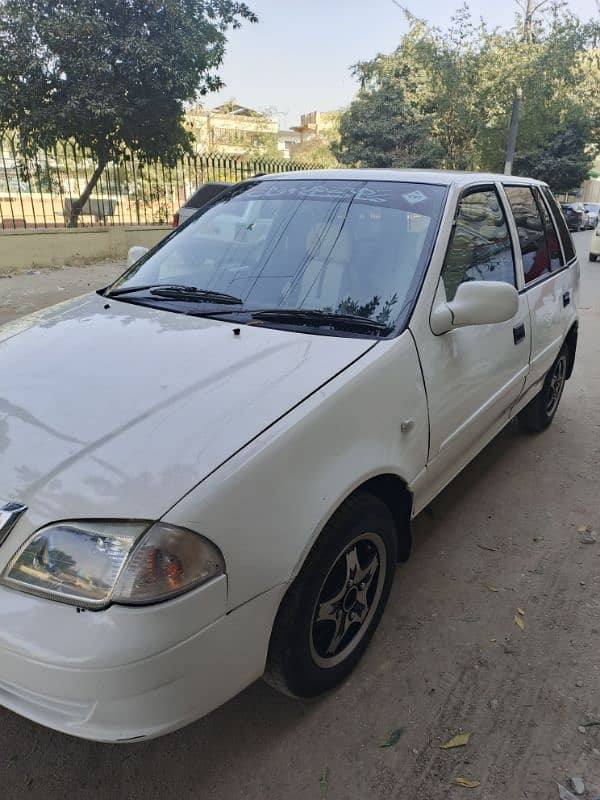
{"points": [[414, 197], [321, 191]]}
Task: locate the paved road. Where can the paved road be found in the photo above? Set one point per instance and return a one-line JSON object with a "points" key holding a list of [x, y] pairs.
{"points": [[447, 658]]}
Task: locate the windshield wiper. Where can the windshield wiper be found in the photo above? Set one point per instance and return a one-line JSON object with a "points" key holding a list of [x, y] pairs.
{"points": [[145, 288], [310, 316], [179, 292], [199, 295]]}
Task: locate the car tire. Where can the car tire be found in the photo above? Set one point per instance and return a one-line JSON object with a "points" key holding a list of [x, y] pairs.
{"points": [[334, 605], [593, 257], [539, 413]]}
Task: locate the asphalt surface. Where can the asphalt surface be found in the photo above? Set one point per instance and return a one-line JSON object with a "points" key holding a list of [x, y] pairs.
{"points": [[448, 656]]}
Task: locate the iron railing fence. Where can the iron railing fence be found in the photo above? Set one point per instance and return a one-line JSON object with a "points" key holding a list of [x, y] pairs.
{"points": [[38, 191]]}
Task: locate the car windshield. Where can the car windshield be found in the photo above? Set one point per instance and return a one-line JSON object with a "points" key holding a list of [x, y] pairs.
{"points": [[340, 246]]}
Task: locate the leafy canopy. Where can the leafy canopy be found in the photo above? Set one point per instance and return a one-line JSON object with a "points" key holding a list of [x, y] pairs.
{"points": [[110, 74], [444, 98]]}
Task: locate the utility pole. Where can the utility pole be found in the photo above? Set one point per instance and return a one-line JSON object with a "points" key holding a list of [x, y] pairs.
{"points": [[528, 11]]}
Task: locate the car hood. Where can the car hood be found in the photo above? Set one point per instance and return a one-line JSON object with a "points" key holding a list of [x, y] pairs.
{"points": [[112, 409]]}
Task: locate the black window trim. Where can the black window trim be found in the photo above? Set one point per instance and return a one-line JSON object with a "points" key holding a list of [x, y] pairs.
{"points": [[541, 204], [568, 262], [552, 273], [475, 188]]}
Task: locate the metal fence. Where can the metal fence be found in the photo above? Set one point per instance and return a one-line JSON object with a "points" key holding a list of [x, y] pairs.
{"points": [[39, 191]]}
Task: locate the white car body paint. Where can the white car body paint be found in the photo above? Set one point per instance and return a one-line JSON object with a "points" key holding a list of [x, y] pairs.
{"points": [[252, 440]]}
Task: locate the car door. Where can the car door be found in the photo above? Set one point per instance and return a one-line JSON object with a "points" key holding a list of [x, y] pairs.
{"points": [[473, 375], [547, 281]]}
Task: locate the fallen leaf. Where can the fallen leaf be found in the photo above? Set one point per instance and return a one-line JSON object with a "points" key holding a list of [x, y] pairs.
{"points": [[519, 622], [466, 782], [460, 740], [582, 529], [492, 588], [492, 640], [590, 724], [521, 612], [485, 547], [393, 738], [324, 781]]}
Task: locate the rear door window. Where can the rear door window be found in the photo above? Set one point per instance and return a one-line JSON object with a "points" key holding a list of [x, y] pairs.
{"points": [[563, 231], [480, 248], [556, 256], [531, 230]]}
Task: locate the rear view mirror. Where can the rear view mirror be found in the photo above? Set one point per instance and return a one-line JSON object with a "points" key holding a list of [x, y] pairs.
{"points": [[135, 253], [476, 303]]}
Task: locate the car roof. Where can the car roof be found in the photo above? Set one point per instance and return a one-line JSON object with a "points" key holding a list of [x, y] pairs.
{"points": [[440, 177]]}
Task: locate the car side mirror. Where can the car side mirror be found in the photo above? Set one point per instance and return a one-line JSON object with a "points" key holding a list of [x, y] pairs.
{"points": [[476, 303], [135, 253]]}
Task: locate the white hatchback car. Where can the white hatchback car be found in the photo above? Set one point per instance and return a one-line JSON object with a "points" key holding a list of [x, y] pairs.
{"points": [[209, 469]]}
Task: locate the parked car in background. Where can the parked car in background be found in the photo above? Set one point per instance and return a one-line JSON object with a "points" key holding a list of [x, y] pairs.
{"points": [[595, 244], [209, 469], [593, 209], [202, 196], [575, 215]]}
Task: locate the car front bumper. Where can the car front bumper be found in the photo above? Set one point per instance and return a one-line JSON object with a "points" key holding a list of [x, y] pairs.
{"points": [[122, 700]]}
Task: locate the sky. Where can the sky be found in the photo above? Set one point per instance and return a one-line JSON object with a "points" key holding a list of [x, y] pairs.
{"points": [[297, 58]]}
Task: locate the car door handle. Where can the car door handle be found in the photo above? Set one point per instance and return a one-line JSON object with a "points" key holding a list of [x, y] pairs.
{"points": [[519, 333], [566, 299]]}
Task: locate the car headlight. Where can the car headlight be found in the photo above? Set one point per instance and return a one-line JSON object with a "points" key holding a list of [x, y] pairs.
{"points": [[94, 564]]}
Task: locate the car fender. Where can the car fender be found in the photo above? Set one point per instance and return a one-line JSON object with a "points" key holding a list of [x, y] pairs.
{"points": [[265, 506]]}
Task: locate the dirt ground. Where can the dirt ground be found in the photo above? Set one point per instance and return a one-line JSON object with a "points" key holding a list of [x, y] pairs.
{"points": [[25, 292], [448, 657]]}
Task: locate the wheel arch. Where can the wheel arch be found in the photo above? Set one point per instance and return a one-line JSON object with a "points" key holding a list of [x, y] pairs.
{"points": [[571, 342], [392, 490]]}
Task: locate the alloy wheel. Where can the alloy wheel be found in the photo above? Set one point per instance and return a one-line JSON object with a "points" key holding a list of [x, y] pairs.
{"points": [[348, 600]]}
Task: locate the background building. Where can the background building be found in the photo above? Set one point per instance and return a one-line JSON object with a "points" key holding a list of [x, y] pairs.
{"points": [[234, 130]]}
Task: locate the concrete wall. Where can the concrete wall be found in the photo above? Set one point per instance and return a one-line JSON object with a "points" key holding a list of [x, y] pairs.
{"points": [[591, 191], [24, 249]]}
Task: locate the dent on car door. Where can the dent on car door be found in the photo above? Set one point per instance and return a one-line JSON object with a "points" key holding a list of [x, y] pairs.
{"points": [[473, 374], [547, 283]]}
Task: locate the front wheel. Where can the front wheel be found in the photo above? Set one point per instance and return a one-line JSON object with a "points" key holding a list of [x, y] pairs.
{"points": [[539, 413], [332, 609]]}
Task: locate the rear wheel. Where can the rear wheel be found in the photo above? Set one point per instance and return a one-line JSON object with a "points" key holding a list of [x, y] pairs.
{"points": [[539, 413], [593, 256], [333, 608]]}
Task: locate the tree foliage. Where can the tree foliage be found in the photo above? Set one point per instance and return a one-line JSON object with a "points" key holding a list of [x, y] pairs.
{"points": [[381, 130], [110, 74], [563, 161], [444, 98]]}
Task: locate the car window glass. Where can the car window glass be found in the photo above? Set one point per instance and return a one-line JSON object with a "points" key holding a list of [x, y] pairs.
{"points": [[480, 247], [563, 230], [556, 256], [532, 236], [350, 247]]}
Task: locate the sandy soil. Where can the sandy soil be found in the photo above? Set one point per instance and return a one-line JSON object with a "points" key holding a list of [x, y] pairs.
{"points": [[448, 656], [28, 291]]}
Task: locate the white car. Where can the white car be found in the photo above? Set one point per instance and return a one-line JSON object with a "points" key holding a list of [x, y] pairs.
{"points": [[595, 244], [209, 469]]}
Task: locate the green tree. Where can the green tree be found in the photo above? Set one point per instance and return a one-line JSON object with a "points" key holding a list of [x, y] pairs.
{"points": [[380, 129], [109, 74], [564, 161], [444, 98]]}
